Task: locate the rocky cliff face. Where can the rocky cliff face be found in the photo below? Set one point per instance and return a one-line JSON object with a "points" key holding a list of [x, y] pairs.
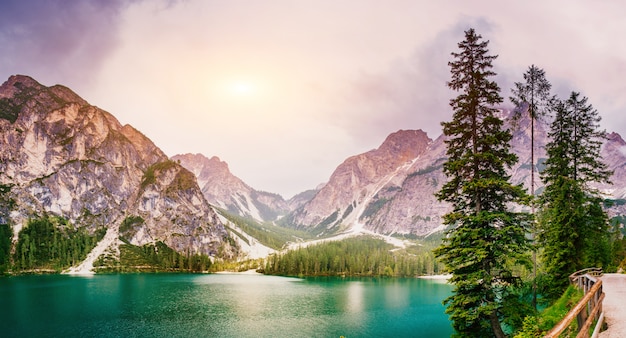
{"points": [[391, 190], [614, 155], [362, 180], [65, 157], [223, 189], [408, 204]]}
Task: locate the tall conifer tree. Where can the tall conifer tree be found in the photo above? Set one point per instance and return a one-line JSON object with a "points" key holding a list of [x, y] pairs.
{"points": [[571, 217], [532, 97], [484, 232]]}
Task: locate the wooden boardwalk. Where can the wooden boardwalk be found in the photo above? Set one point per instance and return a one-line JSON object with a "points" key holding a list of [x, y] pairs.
{"points": [[614, 287]]}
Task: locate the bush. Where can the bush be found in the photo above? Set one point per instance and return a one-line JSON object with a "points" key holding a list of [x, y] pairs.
{"points": [[537, 326]]}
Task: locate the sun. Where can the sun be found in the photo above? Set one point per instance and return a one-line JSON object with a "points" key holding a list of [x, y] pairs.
{"points": [[242, 89]]}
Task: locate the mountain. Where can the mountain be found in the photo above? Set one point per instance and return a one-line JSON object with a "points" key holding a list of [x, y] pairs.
{"points": [[395, 197], [67, 158], [614, 155], [223, 189], [361, 184], [390, 190]]}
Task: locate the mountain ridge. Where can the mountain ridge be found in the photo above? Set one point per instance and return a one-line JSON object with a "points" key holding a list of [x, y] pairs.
{"points": [[391, 189], [402, 201], [67, 158]]}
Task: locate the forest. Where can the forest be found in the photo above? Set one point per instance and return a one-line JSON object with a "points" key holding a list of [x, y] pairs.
{"points": [[157, 257], [52, 244], [503, 258], [359, 256]]}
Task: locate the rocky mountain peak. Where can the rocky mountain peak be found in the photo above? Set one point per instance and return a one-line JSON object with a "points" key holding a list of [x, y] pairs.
{"points": [[405, 145], [615, 138], [19, 87], [614, 150], [209, 169], [214, 164], [360, 177], [16, 84], [225, 190]]}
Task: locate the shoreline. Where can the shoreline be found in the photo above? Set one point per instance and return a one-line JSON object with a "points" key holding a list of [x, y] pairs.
{"points": [[438, 277], [247, 272]]}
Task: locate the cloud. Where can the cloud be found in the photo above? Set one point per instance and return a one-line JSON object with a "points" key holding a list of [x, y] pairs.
{"points": [[411, 93], [334, 77], [59, 40]]}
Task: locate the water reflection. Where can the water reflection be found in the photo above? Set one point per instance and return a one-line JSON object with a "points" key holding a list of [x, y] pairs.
{"points": [[221, 305], [396, 295], [354, 297]]}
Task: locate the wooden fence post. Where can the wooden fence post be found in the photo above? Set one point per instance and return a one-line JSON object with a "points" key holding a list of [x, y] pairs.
{"points": [[588, 309]]}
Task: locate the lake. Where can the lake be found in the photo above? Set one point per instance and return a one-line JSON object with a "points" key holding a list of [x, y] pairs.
{"points": [[221, 305]]}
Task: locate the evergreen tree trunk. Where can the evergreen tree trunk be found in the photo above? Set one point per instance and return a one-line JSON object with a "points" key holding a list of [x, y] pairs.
{"points": [[532, 206], [495, 325]]}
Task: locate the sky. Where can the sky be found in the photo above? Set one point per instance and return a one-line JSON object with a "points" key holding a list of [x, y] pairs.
{"points": [[285, 91]]}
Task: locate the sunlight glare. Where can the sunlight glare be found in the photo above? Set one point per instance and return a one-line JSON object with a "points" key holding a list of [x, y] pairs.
{"points": [[242, 89]]}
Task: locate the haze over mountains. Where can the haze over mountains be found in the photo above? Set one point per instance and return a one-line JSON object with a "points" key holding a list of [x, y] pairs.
{"points": [[65, 157], [388, 190]]}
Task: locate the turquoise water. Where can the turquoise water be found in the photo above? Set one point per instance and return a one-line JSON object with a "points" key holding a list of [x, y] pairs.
{"points": [[221, 305]]}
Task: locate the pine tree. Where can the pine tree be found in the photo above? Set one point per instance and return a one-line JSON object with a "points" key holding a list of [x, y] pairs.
{"points": [[6, 232], [484, 231], [571, 218], [532, 97]]}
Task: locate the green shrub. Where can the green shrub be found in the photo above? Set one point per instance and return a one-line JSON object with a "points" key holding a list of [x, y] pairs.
{"points": [[537, 326]]}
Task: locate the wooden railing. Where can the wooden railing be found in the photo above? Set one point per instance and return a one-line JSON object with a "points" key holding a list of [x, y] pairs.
{"points": [[588, 309]]}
